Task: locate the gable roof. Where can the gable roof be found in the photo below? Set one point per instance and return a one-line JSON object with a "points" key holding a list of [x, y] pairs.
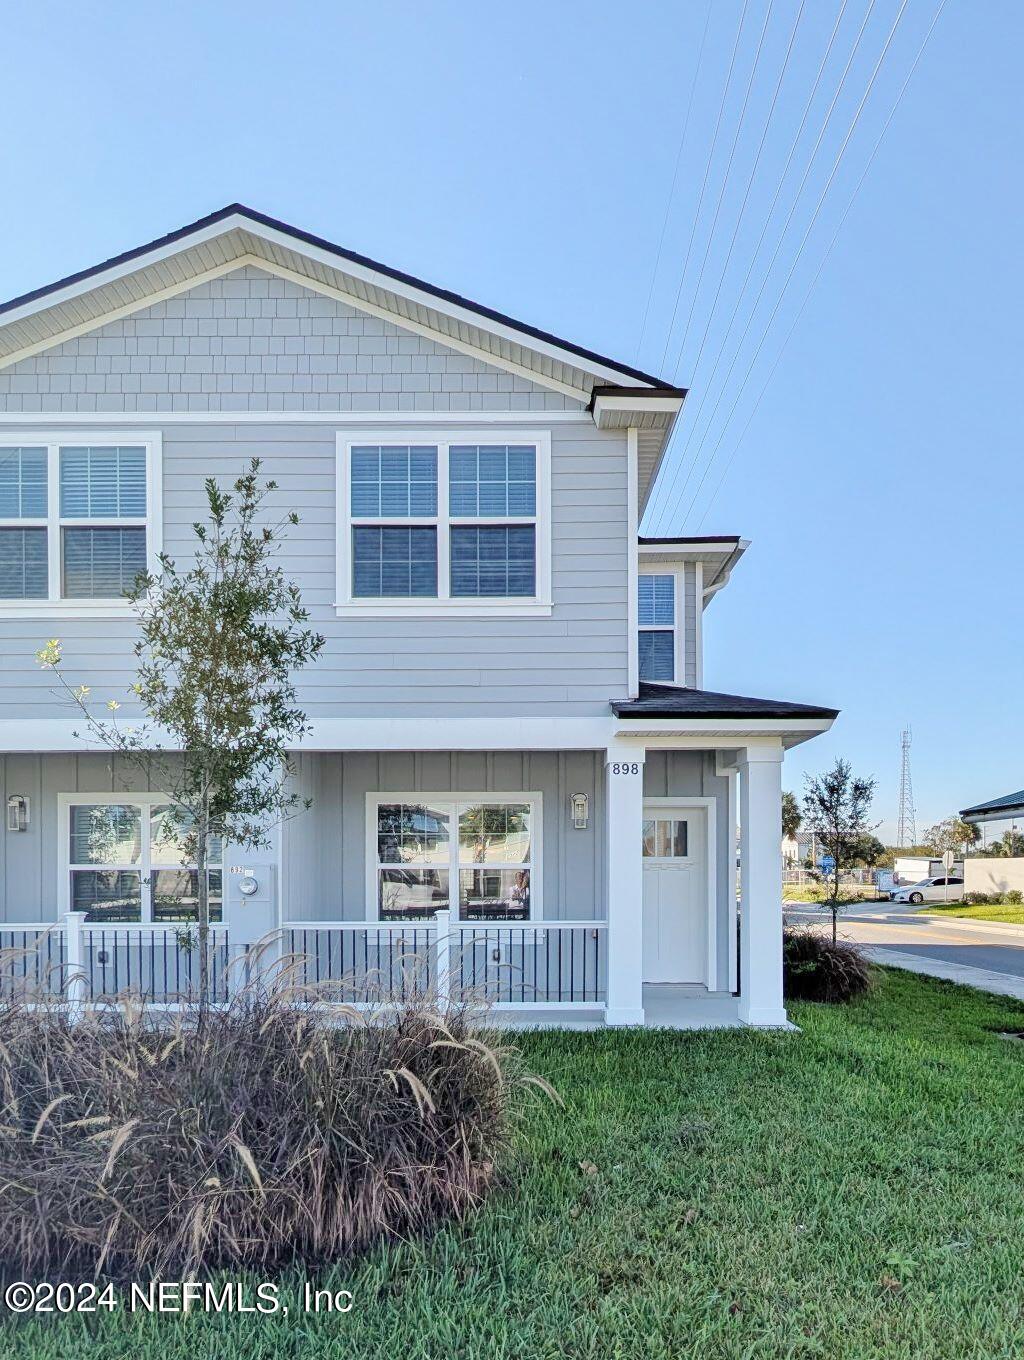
{"points": [[617, 394], [258, 219]]}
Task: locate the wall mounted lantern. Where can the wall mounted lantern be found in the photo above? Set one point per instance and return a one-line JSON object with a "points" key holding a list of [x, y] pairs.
{"points": [[17, 812], [580, 811]]}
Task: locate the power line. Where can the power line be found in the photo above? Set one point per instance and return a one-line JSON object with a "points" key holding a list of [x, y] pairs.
{"points": [[704, 184], [799, 253], [824, 259], [757, 249], [746, 192], [672, 187], [680, 462], [725, 179]]}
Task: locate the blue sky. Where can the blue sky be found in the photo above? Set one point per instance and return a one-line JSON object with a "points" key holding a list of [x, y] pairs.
{"points": [[523, 155]]}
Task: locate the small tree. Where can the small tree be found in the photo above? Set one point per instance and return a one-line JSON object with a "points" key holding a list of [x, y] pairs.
{"points": [[952, 834], [217, 648], [836, 806], [792, 819]]}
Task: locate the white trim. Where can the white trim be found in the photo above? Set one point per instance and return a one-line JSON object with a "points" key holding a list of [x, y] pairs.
{"points": [[443, 605], [144, 868], [105, 318], [698, 615], [56, 605], [437, 337], [375, 797], [344, 266], [434, 303], [710, 806], [565, 732], [278, 417], [644, 403], [632, 562]]}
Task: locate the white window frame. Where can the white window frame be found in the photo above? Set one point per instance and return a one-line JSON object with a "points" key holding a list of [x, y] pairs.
{"points": [[145, 867], [85, 607], [678, 616], [444, 604], [456, 800]]}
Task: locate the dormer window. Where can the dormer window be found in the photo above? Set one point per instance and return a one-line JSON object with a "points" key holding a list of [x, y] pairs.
{"points": [[657, 622]]}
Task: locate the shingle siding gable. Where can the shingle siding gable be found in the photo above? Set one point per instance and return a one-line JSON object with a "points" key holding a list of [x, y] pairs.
{"points": [[252, 341]]}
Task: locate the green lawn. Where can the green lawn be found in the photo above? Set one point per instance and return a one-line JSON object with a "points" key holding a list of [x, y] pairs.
{"points": [[851, 1191], [1001, 911]]}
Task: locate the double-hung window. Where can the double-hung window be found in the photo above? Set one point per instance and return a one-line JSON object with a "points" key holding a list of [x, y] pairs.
{"points": [[657, 624], [79, 521], [126, 865], [453, 525], [477, 855]]}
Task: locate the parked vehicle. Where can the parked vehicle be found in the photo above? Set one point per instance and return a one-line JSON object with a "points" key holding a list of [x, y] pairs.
{"points": [[931, 890]]}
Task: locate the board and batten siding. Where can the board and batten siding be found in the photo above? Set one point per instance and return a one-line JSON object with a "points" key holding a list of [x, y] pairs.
{"points": [[329, 840], [253, 342], [30, 860]]}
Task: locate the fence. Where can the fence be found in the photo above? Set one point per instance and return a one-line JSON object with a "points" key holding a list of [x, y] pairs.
{"points": [[515, 965]]}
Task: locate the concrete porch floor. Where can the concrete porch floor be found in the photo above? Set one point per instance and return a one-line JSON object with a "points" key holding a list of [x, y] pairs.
{"points": [[666, 1006]]}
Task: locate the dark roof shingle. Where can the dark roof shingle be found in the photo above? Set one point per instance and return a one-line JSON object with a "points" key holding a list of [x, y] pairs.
{"points": [[671, 701]]}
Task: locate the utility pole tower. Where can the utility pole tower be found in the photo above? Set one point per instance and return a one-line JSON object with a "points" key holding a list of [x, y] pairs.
{"points": [[906, 833]]}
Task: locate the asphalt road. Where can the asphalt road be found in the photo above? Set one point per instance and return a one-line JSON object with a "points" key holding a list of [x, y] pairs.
{"points": [[887, 926]]}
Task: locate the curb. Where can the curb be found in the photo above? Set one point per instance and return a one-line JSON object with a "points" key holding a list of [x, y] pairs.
{"points": [[969, 923]]}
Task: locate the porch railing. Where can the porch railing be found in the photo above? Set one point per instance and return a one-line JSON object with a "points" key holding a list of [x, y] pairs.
{"points": [[522, 965]]}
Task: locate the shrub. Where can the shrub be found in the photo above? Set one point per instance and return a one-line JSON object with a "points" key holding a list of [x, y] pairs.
{"points": [[816, 968], [268, 1132], [1014, 897], [978, 899]]}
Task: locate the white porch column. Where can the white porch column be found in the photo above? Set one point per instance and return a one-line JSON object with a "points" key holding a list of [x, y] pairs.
{"points": [[760, 770], [624, 811]]}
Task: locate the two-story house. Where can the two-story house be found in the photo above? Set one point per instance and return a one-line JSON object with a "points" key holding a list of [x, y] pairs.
{"points": [[511, 743]]}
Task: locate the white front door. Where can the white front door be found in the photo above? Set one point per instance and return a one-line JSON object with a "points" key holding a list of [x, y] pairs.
{"points": [[675, 894]]}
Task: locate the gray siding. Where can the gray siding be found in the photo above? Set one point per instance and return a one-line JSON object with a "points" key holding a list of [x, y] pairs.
{"points": [[689, 622], [329, 841], [250, 341], [30, 860], [691, 774]]}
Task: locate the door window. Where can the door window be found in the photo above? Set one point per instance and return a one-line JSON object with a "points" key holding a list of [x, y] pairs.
{"points": [[665, 838]]}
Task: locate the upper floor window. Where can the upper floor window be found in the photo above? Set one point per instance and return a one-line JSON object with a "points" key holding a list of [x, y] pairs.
{"points": [[77, 521], [656, 616], [432, 525]]}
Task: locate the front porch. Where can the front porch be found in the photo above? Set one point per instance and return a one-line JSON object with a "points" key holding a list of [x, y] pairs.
{"points": [[608, 895]]}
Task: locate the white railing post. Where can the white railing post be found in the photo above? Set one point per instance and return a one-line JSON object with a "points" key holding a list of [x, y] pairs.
{"points": [[443, 957], [74, 954]]}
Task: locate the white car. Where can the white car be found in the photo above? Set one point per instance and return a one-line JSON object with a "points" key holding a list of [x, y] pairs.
{"points": [[930, 890]]}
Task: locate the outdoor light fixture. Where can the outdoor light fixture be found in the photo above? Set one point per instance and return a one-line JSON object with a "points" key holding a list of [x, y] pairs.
{"points": [[580, 811], [17, 812]]}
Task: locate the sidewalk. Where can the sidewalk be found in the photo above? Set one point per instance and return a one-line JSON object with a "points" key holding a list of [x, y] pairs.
{"points": [[1003, 984]]}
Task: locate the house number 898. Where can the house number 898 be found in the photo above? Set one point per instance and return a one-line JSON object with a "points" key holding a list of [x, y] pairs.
{"points": [[620, 768]]}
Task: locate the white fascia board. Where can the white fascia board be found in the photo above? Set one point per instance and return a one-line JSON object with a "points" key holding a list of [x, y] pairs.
{"points": [[34, 419], [694, 732], [361, 734], [641, 404], [435, 303], [238, 222], [122, 270]]}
